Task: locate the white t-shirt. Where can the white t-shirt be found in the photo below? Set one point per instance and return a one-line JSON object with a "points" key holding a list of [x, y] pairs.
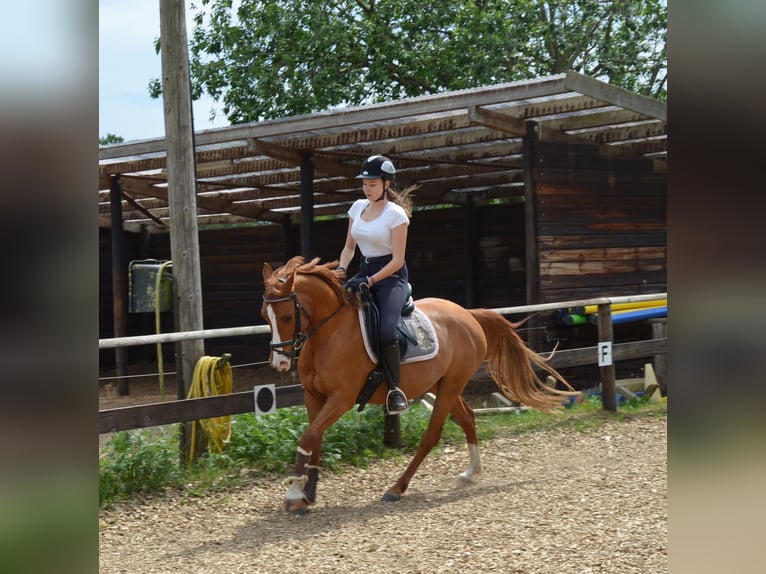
{"points": [[374, 237]]}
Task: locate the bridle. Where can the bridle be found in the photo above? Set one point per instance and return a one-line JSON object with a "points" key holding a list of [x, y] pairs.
{"points": [[299, 337]]}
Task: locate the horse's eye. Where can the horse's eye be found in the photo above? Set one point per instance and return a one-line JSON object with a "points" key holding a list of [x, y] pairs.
{"points": [[286, 318]]}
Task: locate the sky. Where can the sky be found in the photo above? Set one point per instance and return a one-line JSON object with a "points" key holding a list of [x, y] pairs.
{"points": [[127, 62]]}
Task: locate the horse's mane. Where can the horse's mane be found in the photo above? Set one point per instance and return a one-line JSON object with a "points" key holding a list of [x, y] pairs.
{"points": [[277, 284]]}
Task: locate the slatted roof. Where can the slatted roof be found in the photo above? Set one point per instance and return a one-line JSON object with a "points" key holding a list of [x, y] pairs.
{"points": [[452, 145]]}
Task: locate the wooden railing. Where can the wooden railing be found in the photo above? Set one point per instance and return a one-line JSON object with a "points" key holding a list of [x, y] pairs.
{"points": [[155, 414]]}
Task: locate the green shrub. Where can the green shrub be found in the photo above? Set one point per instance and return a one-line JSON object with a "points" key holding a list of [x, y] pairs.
{"points": [[133, 462], [140, 462]]}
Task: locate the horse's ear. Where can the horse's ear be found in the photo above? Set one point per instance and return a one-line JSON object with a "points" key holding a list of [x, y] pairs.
{"points": [[289, 280], [267, 271]]}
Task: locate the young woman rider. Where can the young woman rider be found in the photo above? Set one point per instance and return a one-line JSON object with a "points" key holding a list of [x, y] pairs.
{"points": [[378, 225]]}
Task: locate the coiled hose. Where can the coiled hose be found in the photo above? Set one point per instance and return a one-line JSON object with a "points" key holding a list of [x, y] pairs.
{"points": [[212, 376]]}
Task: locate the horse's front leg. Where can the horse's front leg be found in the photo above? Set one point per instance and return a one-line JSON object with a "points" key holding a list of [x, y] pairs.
{"points": [[302, 482]]}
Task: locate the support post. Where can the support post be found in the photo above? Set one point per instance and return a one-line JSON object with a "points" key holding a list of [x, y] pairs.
{"points": [[532, 257], [119, 282], [392, 435], [659, 331], [307, 207], [182, 196], [470, 237], [606, 335], [288, 240]]}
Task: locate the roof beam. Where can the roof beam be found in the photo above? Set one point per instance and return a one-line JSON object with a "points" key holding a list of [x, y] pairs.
{"points": [[505, 123], [616, 96], [295, 157], [213, 204], [421, 105]]}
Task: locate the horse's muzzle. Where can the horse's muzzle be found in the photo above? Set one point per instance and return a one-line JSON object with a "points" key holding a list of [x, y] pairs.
{"points": [[281, 362]]}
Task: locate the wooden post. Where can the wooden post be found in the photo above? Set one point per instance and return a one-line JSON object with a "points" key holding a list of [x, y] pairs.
{"points": [[182, 196], [534, 340], [392, 435], [307, 207], [119, 297], [606, 335], [288, 239], [659, 331], [470, 236]]}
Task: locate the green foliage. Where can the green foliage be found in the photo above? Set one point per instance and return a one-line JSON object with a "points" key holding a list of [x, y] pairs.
{"points": [[109, 139], [276, 58], [134, 462], [582, 417], [46, 523], [143, 463]]}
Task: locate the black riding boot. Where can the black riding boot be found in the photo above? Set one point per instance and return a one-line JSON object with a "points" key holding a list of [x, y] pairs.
{"points": [[396, 401]]}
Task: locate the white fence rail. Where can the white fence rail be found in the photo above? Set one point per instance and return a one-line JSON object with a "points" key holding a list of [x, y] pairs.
{"points": [[264, 329]]}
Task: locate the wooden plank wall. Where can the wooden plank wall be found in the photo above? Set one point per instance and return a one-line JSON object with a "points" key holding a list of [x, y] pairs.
{"points": [[232, 259], [601, 228], [601, 223]]}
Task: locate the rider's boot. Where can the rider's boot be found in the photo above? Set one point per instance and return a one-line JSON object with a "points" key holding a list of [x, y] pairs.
{"points": [[396, 401]]}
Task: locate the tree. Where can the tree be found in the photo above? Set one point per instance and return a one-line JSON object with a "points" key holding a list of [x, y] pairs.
{"points": [[274, 58], [109, 139]]}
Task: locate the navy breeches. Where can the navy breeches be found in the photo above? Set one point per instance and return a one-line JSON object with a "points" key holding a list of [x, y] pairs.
{"points": [[391, 293]]}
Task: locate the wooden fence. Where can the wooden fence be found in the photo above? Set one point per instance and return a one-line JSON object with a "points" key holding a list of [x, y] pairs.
{"points": [[155, 414]]}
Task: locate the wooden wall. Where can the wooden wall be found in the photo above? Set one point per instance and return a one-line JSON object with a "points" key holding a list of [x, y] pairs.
{"points": [[590, 227], [601, 224], [231, 261], [598, 228]]}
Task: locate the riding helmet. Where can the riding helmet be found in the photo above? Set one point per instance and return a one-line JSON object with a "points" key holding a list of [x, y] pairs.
{"points": [[377, 166]]}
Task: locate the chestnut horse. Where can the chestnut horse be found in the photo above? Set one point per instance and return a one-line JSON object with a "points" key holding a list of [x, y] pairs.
{"points": [[309, 312]]}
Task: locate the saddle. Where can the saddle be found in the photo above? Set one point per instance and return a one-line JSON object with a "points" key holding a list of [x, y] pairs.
{"points": [[371, 314]]}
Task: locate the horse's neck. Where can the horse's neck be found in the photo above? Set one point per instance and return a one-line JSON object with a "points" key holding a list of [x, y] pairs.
{"points": [[332, 320], [323, 304]]}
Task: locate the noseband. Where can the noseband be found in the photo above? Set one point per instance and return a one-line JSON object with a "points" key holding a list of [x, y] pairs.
{"points": [[299, 337]]}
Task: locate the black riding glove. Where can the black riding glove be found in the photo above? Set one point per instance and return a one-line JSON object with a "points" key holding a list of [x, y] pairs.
{"points": [[355, 283]]}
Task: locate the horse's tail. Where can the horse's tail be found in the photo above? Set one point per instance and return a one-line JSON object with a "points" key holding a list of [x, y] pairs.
{"points": [[511, 364]]}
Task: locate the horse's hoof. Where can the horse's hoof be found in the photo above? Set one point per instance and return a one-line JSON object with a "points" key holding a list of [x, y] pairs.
{"points": [[391, 497], [296, 507]]}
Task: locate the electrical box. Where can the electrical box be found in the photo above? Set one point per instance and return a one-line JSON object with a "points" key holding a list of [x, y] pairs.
{"points": [[143, 295]]}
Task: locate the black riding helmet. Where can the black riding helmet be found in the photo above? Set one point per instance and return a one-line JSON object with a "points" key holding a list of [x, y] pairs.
{"points": [[377, 166]]}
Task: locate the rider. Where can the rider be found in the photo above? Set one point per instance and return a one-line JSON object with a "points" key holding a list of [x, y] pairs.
{"points": [[378, 224]]}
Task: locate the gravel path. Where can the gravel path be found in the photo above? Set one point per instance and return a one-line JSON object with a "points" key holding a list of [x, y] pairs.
{"points": [[554, 502]]}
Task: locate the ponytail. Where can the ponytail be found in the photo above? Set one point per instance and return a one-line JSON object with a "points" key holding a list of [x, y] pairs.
{"points": [[402, 198]]}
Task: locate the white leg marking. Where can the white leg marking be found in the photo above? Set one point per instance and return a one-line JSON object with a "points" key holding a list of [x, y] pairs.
{"points": [[295, 485], [474, 468], [278, 362]]}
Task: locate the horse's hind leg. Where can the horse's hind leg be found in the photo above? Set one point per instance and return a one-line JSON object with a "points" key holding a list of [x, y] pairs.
{"points": [[463, 415], [430, 437]]}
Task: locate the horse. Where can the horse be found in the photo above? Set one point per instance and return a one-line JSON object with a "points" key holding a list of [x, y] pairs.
{"points": [[313, 318]]}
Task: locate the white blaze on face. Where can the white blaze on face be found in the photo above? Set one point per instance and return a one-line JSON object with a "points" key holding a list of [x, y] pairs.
{"points": [[278, 361]]}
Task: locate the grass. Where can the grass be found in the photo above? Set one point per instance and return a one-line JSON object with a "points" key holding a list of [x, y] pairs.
{"points": [[143, 463]]}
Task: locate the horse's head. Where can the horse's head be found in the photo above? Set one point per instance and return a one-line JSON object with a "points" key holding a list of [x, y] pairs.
{"points": [[281, 311], [283, 307]]}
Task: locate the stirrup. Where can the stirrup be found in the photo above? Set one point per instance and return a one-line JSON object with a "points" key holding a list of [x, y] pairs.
{"points": [[396, 391]]}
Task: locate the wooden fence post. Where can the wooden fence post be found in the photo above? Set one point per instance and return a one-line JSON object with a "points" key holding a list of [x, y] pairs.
{"points": [[606, 336], [659, 331], [392, 436], [182, 184]]}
